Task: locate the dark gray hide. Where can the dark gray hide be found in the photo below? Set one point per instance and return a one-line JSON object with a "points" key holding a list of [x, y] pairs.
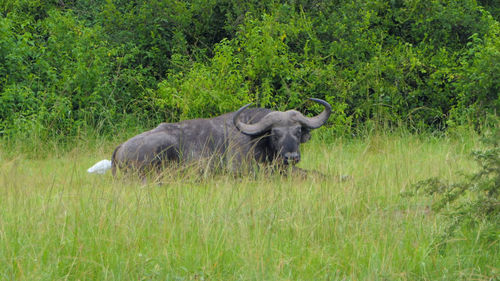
{"points": [[255, 134]]}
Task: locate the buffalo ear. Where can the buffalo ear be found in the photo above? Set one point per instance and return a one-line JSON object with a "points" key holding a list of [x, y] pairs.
{"points": [[306, 135]]}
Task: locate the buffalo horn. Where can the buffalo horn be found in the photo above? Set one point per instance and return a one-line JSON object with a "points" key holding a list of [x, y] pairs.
{"points": [[318, 120], [276, 116], [257, 128]]}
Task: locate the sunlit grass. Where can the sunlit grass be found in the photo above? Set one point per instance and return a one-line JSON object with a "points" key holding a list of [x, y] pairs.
{"points": [[58, 222]]}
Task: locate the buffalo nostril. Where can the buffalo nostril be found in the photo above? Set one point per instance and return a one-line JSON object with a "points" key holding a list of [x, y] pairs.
{"points": [[291, 157]]}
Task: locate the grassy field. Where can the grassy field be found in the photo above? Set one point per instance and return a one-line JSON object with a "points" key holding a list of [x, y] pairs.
{"points": [[59, 223]]}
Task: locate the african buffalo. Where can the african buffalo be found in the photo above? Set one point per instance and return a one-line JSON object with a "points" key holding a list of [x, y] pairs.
{"points": [[249, 134]]}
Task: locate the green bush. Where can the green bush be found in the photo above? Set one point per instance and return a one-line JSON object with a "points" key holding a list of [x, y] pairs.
{"points": [[479, 85], [68, 66]]}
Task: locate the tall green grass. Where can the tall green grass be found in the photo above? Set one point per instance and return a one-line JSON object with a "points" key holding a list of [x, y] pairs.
{"points": [[59, 223]]}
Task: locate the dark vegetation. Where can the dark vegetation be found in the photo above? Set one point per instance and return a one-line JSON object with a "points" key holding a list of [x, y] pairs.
{"points": [[68, 67]]}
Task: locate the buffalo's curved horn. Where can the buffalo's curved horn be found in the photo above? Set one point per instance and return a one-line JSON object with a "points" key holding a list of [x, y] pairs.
{"points": [[275, 117], [318, 120], [257, 128]]}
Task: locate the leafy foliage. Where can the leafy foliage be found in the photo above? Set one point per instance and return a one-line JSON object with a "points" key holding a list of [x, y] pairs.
{"points": [[68, 66], [479, 85]]}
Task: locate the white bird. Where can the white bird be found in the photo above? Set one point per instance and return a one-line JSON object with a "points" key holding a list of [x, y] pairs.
{"points": [[100, 167]]}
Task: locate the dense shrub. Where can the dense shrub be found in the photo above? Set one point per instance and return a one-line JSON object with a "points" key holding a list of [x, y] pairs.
{"points": [[478, 87], [67, 66]]}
